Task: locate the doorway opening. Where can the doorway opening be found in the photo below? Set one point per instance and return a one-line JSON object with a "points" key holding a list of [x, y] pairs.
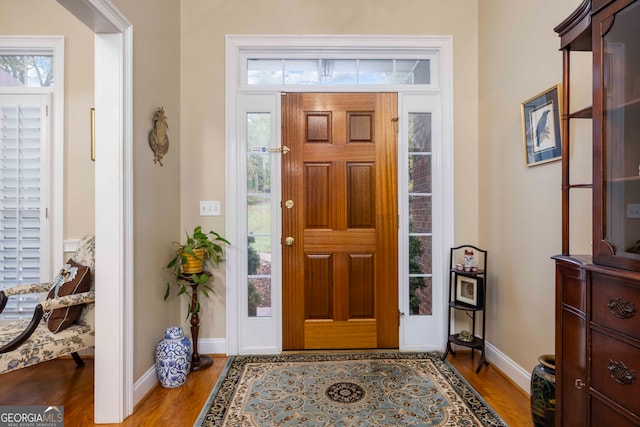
{"points": [[264, 70]]}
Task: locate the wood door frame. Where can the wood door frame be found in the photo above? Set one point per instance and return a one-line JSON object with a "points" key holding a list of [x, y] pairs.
{"points": [[292, 46]]}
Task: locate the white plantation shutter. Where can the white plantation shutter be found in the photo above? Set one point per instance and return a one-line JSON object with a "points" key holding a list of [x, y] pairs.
{"points": [[24, 125]]}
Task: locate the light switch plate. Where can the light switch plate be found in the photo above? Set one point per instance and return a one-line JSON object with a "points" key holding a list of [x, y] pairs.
{"points": [[210, 208], [633, 210]]}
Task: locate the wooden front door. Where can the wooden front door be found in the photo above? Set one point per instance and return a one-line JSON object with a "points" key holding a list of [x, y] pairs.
{"points": [[340, 221]]}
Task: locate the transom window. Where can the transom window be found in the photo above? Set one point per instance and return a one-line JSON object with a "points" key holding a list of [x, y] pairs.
{"points": [[26, 70], [338, 71]]}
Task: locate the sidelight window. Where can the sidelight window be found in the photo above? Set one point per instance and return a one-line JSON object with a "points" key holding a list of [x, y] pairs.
{"points": [[420, 214], [259, 214]]}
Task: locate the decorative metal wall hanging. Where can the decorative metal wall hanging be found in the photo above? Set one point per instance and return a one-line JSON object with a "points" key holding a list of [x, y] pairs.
{"points": [[158, 138]]}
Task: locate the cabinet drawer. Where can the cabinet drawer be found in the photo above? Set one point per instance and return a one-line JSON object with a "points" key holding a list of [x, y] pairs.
{"points": [[615, 304], [603, 415], [615, 366]]}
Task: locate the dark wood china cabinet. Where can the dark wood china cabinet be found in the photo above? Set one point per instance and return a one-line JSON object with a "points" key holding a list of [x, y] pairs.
{"points": [[598, 295]]}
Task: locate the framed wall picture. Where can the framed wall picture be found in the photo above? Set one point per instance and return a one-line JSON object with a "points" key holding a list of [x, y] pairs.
{"points": [[541, 127], [469, 291]]}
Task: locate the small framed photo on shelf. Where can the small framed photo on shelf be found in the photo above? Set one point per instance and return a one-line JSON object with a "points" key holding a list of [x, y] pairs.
{"points": [[541, 127], [469, 291]]}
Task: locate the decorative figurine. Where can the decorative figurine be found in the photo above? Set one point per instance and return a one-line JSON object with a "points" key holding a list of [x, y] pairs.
{"points": [[468, 259], [465, 336]]}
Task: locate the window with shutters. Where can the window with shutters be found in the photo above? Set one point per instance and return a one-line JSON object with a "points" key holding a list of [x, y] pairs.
{"points": [[24, 125], [31, 164]]}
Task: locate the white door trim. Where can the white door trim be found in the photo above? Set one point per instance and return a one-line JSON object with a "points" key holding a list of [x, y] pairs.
{"points": [[292, 46], [113, 380]]}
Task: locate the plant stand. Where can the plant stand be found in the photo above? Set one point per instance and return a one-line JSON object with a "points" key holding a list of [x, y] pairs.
{"points": [[198, 361]]}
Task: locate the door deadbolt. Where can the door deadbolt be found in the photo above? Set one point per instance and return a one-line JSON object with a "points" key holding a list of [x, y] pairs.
{"points": [[289, 241], [288, 204]]}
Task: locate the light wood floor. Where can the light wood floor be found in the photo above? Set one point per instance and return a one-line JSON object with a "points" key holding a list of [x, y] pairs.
{"points": [[59, 382]]}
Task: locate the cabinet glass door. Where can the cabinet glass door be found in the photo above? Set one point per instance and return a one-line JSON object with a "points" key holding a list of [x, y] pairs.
{"points": [[620, 129]]}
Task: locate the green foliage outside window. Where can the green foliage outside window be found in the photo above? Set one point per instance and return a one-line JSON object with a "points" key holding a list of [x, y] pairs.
{"points": [[415, 283]]}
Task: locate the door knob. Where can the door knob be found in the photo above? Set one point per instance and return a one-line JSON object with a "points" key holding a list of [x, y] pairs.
{"points": [[289, 241], [288, 204], [579, 384]]}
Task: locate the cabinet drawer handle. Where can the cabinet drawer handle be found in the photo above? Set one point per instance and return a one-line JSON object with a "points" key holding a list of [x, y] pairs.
{"points": [[621, 308], [579, 384], [620, 373]]}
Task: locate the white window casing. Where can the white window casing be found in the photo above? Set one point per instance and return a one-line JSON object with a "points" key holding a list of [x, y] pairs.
{"points": [[261, 93]]}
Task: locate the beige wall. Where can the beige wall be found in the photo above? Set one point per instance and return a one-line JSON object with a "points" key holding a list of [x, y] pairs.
{"points": [[520, 209], [156, 189], [204, 26]]}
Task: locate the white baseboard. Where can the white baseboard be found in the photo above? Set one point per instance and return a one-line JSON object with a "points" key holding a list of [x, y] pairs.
{"points": [[515, 372], [146, 382], [70, 245], [149, 379], [212, 346]]}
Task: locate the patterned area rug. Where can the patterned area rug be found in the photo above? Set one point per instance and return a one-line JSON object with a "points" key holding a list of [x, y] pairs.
{"points": [[344, 390]]}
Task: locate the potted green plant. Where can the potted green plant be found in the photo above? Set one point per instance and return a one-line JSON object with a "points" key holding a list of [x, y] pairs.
{"points": [[189, 262]]}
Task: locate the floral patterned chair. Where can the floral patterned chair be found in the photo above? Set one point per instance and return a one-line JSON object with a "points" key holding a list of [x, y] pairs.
{"points": [[28, 342]]}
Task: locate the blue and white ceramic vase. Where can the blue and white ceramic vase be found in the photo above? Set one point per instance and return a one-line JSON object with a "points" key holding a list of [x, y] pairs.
{"points": [[173, 358]]}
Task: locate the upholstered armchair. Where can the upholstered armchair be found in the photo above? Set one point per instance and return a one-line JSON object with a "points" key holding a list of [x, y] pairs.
{"points": [[62, 324]]}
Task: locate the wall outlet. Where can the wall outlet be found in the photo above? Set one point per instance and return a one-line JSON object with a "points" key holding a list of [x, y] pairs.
{"points": [[210, 208], [633, 210]]}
